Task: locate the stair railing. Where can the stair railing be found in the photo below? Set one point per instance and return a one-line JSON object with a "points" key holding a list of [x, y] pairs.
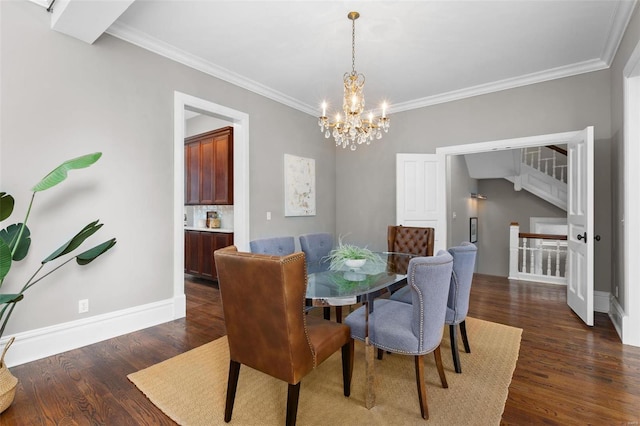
{"points": [[551, 160], [537, 257]]}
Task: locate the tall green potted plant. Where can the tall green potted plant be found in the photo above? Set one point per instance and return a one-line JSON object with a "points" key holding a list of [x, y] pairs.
{"points": [[15, 241]]}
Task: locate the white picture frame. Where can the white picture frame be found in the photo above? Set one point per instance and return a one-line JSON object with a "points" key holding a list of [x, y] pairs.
{"points": [[299, 186]]}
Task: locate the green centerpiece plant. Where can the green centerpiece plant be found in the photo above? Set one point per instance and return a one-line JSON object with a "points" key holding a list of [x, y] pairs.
{"points": [[15, 239], [344, 253]]}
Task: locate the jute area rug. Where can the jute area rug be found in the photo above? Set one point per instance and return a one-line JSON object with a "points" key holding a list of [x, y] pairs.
{"points": [[191, 387]]}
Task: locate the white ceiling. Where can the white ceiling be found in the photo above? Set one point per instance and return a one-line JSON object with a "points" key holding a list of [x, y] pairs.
{"points": [[413, 53]]}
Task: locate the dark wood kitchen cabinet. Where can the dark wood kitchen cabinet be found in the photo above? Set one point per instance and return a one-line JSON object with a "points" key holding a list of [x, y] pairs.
{"points": [[209, 168], [198, 252]]}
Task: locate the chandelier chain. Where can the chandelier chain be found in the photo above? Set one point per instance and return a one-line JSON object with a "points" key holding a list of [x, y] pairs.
{"points": [[353, 47]]}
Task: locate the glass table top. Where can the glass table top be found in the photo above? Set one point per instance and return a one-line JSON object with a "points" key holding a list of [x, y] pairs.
{"points": [[351, 285]]}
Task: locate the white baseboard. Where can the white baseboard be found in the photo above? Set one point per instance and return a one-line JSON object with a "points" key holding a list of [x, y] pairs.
{"points": [[601, 301], [627, 327], [36, 344], [616, 313]]}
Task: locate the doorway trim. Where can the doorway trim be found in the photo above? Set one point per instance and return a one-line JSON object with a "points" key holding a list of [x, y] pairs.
{"points": [[630, 221], [241, 222]]}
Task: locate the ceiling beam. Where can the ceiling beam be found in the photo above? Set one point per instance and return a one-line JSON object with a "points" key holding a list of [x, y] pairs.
{"points": [[86, 20]]}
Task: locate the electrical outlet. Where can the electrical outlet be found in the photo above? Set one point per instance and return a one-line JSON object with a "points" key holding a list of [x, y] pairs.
{"points": [[83, 306], [268, 215]]}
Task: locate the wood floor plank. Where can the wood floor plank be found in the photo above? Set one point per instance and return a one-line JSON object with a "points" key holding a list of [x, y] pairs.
{"points": [[567, 373]]}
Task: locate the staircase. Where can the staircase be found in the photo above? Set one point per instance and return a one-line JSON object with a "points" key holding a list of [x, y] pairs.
{"points": [[540, 170]]}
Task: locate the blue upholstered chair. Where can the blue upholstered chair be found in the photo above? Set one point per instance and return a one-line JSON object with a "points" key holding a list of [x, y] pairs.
{"points": [[464, 261], [412, 328], [316, 248], [275, 246]]}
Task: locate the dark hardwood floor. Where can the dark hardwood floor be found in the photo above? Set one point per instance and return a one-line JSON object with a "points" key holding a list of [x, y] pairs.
{"points": [[567, 373]]}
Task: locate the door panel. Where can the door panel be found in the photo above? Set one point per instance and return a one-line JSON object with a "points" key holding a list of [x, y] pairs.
{"points": [[417, 197], [580, 236]]}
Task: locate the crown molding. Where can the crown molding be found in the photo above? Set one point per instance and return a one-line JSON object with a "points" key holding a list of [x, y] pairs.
{"points": [[143, 40], [619, 22], [509, 83]]}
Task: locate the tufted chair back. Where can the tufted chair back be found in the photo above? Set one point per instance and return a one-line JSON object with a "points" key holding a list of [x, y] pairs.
{"points": [[409, 239], [276, 246], [425, 278], [316, 247]]}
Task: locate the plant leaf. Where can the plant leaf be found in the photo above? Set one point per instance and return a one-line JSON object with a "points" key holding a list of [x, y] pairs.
{"points": [[91, 254], [8, 298], [74, 242], [5, 259], [6, 205], [10, 236], [60, 173]]}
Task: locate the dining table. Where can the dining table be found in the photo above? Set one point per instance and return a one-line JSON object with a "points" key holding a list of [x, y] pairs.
{"points": [[345, 286]]}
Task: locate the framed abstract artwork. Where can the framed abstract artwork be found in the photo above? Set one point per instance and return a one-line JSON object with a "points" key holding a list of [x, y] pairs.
{"points": [[299, 186]]}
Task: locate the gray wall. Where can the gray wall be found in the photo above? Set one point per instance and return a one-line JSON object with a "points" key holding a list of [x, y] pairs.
{"points": [[365, 197], [459, 201], [62, 98], [503, 206]]}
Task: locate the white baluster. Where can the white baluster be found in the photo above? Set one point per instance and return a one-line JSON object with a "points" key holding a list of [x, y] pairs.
{"points": [[532, 263], [553, 159], [539, 157], [558, 258], [524, 255], [548, 262], [514, 230]]}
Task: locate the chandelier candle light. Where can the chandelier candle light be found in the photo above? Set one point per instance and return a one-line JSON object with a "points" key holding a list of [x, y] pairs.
{"points": [[353, 129]]}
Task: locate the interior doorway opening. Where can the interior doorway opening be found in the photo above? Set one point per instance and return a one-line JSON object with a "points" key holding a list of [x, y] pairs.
{"points": [[580, 293], [240, 122]]}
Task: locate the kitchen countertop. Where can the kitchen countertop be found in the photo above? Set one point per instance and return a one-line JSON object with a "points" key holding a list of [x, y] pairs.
{"points": [[221, 230]]}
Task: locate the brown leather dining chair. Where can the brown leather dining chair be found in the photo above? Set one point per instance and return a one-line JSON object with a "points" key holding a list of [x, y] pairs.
{"points": [[409, 239], [263, 299]]}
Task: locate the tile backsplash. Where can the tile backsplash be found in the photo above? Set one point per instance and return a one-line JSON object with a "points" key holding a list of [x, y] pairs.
{"points": [[195, 213]]}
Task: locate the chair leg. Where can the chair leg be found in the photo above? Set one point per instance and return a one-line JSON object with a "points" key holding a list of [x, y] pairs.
{"points": [[454, 347], [422, 389], [440, 367], [339, 314], [465, 340], [347, 366], [232, 384], [292, 403], [326, 313], [380, 353]]}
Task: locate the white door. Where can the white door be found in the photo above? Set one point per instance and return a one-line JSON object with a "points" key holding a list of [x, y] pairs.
{"points": [[419, 199], [580, 235]]}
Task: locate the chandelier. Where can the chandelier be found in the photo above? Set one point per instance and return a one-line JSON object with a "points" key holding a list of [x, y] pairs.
{"points": [[351, 129]]}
